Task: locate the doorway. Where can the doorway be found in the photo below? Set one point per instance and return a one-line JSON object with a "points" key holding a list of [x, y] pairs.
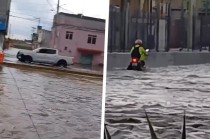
{"points": [[86, 59]]}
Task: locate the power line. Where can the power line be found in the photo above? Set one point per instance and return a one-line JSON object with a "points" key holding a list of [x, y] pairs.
{"points": [[50, 4], [66, 10], [29, 2], [43, 18], [30, 19], [45, 23], [34, 10]]}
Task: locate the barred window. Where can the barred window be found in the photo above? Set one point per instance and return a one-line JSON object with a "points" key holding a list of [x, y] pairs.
{"points": [[92, 39], [69, 35]]}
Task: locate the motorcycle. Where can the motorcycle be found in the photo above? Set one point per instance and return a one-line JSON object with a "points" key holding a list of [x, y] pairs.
{"points": [[135, 63]]}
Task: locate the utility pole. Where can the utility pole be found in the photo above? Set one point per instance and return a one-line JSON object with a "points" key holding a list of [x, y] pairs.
{"points": [[58, 6], [10, 26], [55, 24]]}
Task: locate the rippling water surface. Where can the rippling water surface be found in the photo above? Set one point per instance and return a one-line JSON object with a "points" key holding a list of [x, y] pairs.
{"points": [[165, 93], [53, 106]]}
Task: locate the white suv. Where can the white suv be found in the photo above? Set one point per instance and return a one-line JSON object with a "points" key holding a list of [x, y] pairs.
{"points": [[45, 56]]}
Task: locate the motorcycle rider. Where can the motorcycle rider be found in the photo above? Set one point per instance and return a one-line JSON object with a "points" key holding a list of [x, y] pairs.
{"points": [[138, 51]]}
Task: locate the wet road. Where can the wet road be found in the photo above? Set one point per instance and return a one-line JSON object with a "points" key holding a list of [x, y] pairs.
{"points": [[165, 93], [38, 105]]}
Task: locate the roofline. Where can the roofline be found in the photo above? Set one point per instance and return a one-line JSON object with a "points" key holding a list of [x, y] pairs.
{"points": [[45, 30], [83, 17]]}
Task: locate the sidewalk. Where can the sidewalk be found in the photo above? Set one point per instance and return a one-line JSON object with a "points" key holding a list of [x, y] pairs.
{"points": [[74, 71]]}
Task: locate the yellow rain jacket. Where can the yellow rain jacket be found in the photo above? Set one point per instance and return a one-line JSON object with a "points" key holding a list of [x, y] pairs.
{"points": [[142, 52]]}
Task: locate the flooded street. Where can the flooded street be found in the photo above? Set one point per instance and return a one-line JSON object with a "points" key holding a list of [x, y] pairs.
{"points": [[10, 56], [164, 93], [39, 105]]}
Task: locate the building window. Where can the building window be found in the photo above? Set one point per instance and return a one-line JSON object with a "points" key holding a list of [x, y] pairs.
{"points": [[65, 48], [91, 39], [69, 35]]}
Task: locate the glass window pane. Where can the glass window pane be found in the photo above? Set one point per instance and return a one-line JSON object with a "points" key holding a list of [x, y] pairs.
{"points": [[89, 39], [42, 51], [94, 40], [49, 51], [67, 35]]}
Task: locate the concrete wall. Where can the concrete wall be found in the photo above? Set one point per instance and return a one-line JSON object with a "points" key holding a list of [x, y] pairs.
{"points": [[4, 15], [44, 37], [161, 59]]}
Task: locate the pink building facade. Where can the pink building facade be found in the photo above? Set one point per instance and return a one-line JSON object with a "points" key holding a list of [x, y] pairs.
{"points": [[80, 37]]}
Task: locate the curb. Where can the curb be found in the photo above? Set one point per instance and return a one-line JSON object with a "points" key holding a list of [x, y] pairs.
{"points": [[76, 72]]}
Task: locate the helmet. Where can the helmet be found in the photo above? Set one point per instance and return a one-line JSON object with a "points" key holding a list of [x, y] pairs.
{"points": [[138, 41]]}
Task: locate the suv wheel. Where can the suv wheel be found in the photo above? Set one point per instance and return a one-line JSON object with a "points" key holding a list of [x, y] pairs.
{"points": [[27, 59], [62, 63]]}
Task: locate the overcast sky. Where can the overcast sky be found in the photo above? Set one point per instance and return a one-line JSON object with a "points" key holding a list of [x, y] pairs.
{"points": [[25, 14]]}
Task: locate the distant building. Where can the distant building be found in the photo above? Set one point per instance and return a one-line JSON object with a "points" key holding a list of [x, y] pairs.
{"points": [[35, 43], [79, 36], [41, 38], [44, 37]]}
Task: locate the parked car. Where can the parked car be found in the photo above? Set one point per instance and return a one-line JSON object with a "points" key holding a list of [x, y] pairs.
{"points": [[45, 56]]}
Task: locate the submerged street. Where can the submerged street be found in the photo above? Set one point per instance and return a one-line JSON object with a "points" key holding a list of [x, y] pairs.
{"points": [[164, 93], [40, 105]]}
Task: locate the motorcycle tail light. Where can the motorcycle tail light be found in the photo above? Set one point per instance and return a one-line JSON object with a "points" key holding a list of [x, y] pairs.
{"points": [[134, 60]]}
